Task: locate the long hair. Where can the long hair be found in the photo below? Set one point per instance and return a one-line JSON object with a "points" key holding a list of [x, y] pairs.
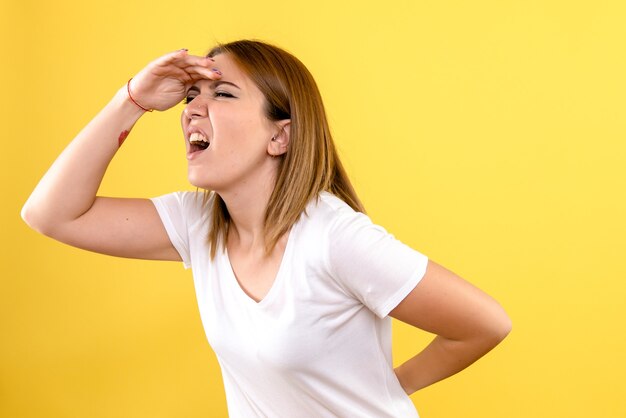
{"points": [[311, 163]]}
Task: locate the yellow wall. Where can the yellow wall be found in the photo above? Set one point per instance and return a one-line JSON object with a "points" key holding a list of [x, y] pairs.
{"points": [[489, 135]]}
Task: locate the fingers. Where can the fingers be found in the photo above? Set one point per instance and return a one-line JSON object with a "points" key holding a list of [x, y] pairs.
{"points": [[193, 74], [186, 67], [197, 60], [203, 72], [180, 74], [181, 58]]}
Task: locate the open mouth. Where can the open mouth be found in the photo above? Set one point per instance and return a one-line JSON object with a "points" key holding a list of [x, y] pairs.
{"points": [[198, 142]]}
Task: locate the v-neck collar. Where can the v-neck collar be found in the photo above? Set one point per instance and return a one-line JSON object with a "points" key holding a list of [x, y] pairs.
{"points": [[278, 279]]}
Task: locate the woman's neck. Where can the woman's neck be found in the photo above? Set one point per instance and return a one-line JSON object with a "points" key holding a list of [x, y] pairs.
{"points": [[246, 207]]}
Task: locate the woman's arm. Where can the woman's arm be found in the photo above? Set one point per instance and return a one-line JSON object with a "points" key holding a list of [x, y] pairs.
{"points": [[64, 204], [467, 321]]}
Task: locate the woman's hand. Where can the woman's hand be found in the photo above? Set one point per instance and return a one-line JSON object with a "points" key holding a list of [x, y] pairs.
{"points": [[163, 82]]}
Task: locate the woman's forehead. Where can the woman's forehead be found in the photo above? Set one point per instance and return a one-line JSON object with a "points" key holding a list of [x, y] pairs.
{"points": [[231, 72], [227, 64]]}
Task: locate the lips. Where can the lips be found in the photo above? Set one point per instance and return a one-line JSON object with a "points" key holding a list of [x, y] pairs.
{"points": [[198, 140]]}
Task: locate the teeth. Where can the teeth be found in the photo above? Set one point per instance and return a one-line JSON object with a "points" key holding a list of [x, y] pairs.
{"points": [[198, 137]]}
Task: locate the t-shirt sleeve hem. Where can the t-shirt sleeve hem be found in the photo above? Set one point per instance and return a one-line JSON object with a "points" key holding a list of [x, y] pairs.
{"points": [[175, 239], [383, 310]]}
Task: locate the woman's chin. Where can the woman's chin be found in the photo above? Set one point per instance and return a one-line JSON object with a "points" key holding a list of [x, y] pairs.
{"points": [[201, 183], [196, 182]]}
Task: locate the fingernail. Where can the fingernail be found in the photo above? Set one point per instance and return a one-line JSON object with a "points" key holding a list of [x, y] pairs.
{"points": [[216, 71], [184, 49]]}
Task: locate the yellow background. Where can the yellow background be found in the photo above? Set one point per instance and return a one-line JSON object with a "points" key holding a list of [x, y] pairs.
{"points": [[489, 135]]}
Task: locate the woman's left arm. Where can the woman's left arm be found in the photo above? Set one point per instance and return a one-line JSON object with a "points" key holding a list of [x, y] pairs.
{"points": [[468, 324]]}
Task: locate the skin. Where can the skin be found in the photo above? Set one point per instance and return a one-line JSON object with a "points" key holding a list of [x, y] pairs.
{"points": [[241, 166]]}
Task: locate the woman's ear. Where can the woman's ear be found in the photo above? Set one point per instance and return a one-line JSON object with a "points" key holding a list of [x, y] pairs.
{"points": [[279, 143]]}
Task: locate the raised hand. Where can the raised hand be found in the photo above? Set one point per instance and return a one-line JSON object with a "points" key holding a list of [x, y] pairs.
{"points": [[163, 82]]}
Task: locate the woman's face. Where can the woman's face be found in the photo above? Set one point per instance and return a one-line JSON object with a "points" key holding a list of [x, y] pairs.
{"points": [[228, 114]]}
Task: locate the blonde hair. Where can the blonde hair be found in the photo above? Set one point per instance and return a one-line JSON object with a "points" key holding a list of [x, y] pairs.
{"points": [[311, 163]]}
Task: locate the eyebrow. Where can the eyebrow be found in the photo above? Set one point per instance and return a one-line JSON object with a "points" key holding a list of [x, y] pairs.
{"points": [[215, 84]]}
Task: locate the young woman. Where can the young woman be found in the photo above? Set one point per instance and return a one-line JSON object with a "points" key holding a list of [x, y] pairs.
{"points": [[295, 284]]}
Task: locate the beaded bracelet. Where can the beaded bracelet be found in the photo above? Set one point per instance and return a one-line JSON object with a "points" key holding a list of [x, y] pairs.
{"points": [[133, 100]]}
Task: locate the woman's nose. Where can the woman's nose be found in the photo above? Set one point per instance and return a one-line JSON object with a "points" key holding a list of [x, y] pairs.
{"points": [[197, 108]]}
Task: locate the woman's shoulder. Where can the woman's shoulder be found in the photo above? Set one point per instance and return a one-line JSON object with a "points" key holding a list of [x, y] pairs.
{"points": [[326, 208], [187, 204], [188, 198], [333, 201]]}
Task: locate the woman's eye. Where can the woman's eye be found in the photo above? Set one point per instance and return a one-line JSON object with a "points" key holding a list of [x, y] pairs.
{"points": [[223, 94], [188, 99]]}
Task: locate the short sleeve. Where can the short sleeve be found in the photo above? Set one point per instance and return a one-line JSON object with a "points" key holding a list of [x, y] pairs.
{"points": [[179, 211], [370, 263]]}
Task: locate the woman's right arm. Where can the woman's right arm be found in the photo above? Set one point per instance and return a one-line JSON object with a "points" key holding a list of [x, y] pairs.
{"points": [[64, 205]]}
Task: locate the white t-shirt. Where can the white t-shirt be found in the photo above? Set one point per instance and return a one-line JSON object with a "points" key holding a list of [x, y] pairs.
{"points": [[319, 343]]}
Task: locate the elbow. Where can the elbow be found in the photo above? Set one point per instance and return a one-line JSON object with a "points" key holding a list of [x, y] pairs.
{"points": [[504, 328], [35, 221], [27, 215], [491, 330], [499, 329]]}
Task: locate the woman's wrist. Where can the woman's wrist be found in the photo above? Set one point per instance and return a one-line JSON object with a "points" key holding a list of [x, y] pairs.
{"points": [[123, 102], [132, 99]]}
